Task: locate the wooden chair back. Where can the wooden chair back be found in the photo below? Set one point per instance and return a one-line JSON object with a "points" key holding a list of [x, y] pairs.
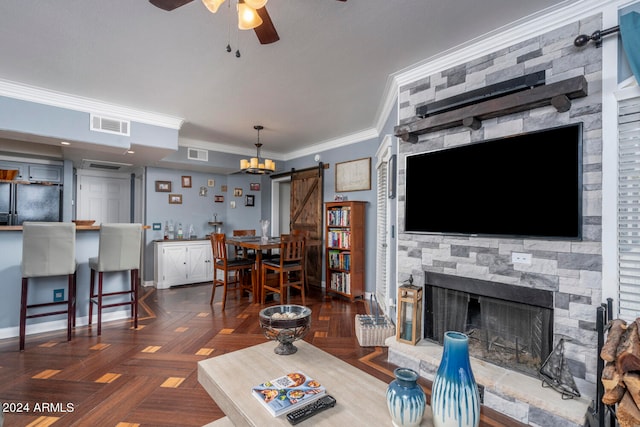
{"points": [[240, 252], [219, 247], [292, 248]]}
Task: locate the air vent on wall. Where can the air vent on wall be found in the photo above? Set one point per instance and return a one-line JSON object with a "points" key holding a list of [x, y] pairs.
{"points": [[110, 125], [105, 166], [197, 154]]}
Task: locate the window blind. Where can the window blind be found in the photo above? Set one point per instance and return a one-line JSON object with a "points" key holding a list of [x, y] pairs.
{"points": [[629, 208], [381, 236]]}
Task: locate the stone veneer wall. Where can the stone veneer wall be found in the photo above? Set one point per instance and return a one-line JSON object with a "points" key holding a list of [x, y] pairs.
{"points": [[571, 269]]}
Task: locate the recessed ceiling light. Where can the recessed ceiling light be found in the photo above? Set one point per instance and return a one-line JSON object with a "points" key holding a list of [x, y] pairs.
{"points": [[65, 143], [131, 152]]}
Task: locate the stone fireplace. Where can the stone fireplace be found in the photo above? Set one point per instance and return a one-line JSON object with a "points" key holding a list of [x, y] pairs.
{"points": [[506, 325], [561, 281]]}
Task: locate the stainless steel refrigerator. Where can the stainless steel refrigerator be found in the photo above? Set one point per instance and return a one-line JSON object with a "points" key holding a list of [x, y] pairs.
{"points": [[20, 202]]}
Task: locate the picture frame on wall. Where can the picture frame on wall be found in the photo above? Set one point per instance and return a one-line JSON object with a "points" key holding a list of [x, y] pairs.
{"points": [[186, 182], [218, 199], [175, 199], [237, 192], [254, 186], [163, 186], [249, 200], [354, 175]]}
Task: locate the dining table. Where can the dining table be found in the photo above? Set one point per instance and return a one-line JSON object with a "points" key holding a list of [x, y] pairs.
{"points": [[259, 245]]}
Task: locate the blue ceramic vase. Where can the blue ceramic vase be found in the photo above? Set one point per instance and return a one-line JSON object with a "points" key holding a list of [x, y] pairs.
{"points": [[455, 401], [405, 399]]}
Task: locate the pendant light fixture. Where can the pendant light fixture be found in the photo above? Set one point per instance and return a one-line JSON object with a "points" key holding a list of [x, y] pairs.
{"points": [[256, 165]]}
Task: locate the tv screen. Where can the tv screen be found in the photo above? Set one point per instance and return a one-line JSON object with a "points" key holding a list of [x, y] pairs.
{"points": [[523, 185]]}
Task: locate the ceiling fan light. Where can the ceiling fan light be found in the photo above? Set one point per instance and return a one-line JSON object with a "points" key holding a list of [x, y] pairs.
{"points": [[256, 4], [213, 5], [248, 18]]}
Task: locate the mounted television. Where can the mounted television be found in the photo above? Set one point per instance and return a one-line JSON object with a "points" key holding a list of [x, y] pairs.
{"points": [[527, 185]]}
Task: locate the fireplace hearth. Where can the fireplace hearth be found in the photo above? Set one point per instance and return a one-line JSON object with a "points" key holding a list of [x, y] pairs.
{"points": [[507, 325]]}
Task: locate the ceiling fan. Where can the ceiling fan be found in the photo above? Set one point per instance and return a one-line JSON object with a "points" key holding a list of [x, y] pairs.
{"points": [[257, 18]]}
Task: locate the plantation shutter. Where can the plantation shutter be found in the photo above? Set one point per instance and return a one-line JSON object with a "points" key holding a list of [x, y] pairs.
{"points": [[381, 235], [629, 208]]}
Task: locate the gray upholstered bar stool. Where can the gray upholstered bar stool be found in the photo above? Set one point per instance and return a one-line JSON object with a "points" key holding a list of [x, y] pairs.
{"points": [[118, 250], [48, 249]]}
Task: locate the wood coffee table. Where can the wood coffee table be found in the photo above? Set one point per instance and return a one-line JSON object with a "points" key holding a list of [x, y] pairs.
{"points": [[228, 378]]}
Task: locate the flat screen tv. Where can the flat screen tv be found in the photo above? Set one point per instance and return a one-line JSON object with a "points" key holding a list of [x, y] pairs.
{"points": [[526, 185]]}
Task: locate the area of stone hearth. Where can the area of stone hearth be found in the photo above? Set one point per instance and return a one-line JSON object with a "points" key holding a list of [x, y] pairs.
{"points": [[517, 395]]}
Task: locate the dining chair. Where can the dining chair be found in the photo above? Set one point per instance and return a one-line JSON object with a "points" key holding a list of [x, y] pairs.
{"points": [[227, 265], [241, 252], [118, 250], [291, 261], [48, 249], [306, 234], [247, 253]]}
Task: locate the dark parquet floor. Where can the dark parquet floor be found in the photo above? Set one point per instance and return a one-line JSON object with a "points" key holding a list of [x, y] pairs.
{"points": [[148, 377]]}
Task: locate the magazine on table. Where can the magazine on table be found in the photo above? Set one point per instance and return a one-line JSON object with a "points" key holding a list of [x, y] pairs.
{"points": [[288, 392]]}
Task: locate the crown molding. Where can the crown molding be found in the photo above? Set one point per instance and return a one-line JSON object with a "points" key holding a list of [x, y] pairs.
{"points": [[353, 138], [543, 21], [228, 148], [71, 102]]}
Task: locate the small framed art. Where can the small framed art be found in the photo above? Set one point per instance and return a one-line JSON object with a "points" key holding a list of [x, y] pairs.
{"points": [[237, 192], [186, 182], [175, 199], [254, 186], [249, 200], [218, 199], [163, 186]]}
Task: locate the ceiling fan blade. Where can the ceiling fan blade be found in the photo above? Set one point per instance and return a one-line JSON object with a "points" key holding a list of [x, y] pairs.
{"points": [[169, 5], [267, 31]]}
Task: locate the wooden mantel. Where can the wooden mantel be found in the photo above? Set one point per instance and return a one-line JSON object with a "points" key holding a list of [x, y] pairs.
{"points": [[558, 94]]}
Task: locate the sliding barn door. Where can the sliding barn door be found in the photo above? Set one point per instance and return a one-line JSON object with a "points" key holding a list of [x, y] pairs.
{"points": [[306, 215]]}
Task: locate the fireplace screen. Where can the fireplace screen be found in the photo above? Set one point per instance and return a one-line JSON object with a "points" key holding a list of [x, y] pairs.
{"points": [[509, 334]]}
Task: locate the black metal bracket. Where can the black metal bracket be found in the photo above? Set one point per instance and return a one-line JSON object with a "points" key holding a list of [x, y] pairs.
{"points": [[596, 37]]}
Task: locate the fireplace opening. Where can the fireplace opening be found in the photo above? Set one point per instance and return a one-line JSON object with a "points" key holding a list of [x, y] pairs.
{"points": [[509, 326]]}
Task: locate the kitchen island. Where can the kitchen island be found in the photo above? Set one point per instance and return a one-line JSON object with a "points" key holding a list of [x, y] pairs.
{"points": [[87, 241]]}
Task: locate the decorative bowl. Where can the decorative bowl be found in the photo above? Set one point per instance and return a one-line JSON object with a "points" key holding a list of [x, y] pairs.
{"points": [[285, 324], [83, 221]]}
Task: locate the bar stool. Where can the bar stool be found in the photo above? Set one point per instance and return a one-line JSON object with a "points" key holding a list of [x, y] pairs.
{"points": [[48, 249], [223, 263], [118, 250], [291, 261]]}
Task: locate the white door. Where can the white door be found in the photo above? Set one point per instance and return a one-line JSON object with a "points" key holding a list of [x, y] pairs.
{"points": [[103, 198], [199, 262]]}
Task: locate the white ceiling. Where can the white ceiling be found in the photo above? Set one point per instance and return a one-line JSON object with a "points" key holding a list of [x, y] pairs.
{"points": [[324, 80]]}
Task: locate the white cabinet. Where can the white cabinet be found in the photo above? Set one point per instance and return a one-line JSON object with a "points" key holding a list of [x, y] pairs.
{"points": [[182, 262]]}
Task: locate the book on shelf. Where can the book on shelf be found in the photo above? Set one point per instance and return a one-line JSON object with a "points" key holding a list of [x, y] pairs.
{"points": [[288, 392]]}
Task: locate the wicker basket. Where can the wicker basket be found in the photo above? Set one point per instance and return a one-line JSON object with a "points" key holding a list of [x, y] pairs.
{"points": [[372, 331]]}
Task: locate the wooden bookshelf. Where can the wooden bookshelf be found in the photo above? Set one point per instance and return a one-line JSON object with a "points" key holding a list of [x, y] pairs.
{"points": [[344, 256]]}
